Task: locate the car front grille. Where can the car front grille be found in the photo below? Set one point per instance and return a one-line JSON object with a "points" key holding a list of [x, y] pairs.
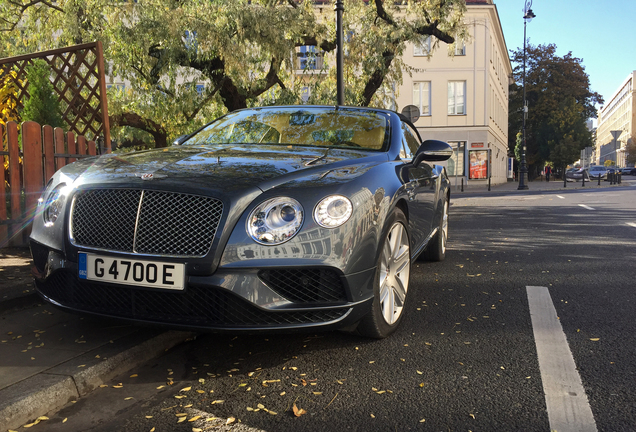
{"points": [[196, 306], [145, 222], [305, 285]]}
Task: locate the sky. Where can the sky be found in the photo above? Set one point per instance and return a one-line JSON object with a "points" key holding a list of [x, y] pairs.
{"points": [[600, 32]]}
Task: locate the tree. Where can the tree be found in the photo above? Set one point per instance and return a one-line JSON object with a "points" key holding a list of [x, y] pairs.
{"points": [[241, 51], [559, 102], [630, 150], [42, 105]]}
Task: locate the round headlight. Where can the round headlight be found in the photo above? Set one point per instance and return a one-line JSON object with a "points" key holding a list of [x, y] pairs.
{"points": [[275, 221], [333, 211], [54, 204]]}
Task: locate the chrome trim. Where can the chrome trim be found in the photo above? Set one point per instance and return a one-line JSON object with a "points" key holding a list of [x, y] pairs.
{"points": [[141, 200]]}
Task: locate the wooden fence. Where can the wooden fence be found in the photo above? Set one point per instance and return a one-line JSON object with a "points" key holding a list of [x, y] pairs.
{"points": [[31, 163]]}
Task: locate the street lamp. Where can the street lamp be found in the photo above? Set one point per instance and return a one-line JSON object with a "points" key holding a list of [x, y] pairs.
{"points": [[523, 170]]}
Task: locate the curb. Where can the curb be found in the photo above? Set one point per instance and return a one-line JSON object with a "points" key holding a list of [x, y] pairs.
{"points": [[49, 391]]}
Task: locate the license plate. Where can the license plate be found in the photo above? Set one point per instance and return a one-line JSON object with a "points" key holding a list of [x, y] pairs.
{"points": [[131, 271]]}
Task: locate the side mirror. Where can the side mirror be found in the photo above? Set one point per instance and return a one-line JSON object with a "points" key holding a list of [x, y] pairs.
{"points": [[180, 140], [432, 151]]}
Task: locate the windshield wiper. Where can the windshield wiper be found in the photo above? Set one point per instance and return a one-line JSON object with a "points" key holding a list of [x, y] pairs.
{"points": [[319, 158]]}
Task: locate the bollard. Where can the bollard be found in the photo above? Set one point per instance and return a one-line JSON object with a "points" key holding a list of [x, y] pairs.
{"points": [[620, 176], [599, 180], [583, 179], [488, 184], [565, 179], [462, 185]]}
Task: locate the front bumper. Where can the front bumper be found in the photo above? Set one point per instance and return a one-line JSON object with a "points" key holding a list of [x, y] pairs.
{"points": [[229, 300]]}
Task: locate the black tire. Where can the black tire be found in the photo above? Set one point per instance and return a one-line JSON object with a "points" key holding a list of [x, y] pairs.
{"points": [[436, 249], [375, 324]]}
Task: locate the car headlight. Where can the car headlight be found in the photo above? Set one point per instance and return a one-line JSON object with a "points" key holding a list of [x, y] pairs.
{"points": [[54, 204], [275, 221], [333, 211]]}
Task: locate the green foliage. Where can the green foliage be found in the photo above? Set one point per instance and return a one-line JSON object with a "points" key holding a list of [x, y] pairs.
{"points": [[559, 103], [518, 146], [242, 52], [630, 150], [42, 106]]}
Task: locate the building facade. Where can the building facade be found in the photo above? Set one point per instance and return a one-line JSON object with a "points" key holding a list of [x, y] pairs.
{"points": [[617, 124], [463, 98]]}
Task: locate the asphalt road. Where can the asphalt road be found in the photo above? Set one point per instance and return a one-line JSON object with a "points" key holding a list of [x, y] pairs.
{"points": [[464, 359]]}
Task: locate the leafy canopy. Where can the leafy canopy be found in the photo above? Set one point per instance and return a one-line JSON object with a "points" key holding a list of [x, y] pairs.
{"points": [[559, 103]]}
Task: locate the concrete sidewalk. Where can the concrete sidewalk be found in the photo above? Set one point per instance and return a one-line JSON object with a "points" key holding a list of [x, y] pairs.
{"points": [[49, 357], [538, 186]]}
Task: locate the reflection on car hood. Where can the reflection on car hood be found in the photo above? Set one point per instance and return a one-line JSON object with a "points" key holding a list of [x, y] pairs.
{"points": [[226, 167]]}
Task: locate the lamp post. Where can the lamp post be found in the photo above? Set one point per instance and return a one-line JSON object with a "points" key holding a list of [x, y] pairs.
{"points": [[523, 170]]}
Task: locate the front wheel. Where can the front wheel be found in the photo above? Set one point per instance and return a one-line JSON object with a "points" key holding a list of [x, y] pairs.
{"points": [[391, 282]]}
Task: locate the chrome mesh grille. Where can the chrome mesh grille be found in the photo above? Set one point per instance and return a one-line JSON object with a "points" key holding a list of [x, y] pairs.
{"points": [[169, 223]]}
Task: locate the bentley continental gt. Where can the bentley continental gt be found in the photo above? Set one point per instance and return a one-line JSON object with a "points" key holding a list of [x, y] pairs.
{"points": [[267, 219]]}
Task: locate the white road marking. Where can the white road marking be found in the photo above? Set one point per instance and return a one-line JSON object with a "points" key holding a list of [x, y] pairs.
{"points": [[586, 207], [559, 196], [631, 224], [568, 407]]}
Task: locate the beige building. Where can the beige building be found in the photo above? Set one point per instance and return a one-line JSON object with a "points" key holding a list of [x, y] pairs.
{"points": [[618, 115], [463, 99]]}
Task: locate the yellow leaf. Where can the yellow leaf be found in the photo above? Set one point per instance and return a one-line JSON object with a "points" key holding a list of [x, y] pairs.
{"points": [[195, 418], [118, 386], [148, 417], [472, 415], [65, 420], [230, 420], [43, 418], [160, 387], [133, 376], [153, 429], [197, 430], [185, 389], [181, 419], [422, 421], [317, 393], [181, 414], [419, 373], [282, 394], [180, 397], [128, 398], [200, 391], [217, 402], [372, 416], [595, 339], [298, 411], [272, 412]]}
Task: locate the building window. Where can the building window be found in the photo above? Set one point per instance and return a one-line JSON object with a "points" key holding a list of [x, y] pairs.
{"points": [[460, 48], [456, 97], [422, 47], [309, 57], [190, 40], [422, 97], [200, 88]]}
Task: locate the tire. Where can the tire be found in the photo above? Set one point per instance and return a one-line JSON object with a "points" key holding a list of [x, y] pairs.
{"points": [[436, 249], [391, 282]]}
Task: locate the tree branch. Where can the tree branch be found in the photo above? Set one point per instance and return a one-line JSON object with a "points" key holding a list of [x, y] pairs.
{"points": [[131, 119]]}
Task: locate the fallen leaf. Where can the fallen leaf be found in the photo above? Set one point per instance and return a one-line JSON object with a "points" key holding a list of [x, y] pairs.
{"points": [[182, 419], [185, 389], [118, 386], [134, 376], [197, 430], [317, 393], [595, 339], [195, 418], [419, 373], [181, 414], [153, 429], [180, 396], [128, 398], [148, 417], [298, 411], [65, 420], [217, 402], [472, 415], [160, 387], [422, 421], [230, 420]]}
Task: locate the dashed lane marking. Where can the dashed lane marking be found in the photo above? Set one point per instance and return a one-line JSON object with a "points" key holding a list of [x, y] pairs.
{"points": [[559, 196], [568, 407], [586, 207], [631, 224]]}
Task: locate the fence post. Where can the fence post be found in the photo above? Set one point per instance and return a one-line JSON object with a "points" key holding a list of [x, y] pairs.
{"points": [[14, 178], [33, 169], [49, 159], [59, 147], [4, 231]]}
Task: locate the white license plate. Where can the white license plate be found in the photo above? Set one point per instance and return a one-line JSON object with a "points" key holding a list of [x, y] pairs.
{"points": [[131, 271]]}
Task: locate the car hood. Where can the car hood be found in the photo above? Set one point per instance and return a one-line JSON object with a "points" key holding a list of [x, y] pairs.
{"points": [[227, 167]]}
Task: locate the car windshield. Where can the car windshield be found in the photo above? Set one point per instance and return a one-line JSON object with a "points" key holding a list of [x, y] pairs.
{"points": [[597, 168], [311, 126]]}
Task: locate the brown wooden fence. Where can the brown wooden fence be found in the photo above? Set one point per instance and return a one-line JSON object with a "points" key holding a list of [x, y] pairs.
{"points": [[31, 163]]}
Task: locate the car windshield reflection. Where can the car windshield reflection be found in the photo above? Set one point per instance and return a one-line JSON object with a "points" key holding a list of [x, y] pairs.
{"points": [[319, 127]]}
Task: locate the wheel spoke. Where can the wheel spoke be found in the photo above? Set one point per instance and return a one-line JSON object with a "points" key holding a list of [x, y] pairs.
{"points": [[400, 291], [402, 260], [388, 309]]}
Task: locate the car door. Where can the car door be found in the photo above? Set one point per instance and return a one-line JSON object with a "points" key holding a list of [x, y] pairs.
{"points": [[420, 189]]}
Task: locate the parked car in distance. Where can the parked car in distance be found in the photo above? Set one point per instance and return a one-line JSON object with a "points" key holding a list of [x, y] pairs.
{"points": [[576, 174], [267, 219], [597, 171], [628, 171]]}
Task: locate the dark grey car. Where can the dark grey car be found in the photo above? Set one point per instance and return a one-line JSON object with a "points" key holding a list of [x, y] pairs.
{"points": [[278, 218]]}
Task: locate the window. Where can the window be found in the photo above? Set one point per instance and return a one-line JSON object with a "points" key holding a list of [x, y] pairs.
{"points": [[460, 47], [422, 97], [422, 47], [309, 57], [410, 143], [456, 97], [200, 88], [191, 40]]}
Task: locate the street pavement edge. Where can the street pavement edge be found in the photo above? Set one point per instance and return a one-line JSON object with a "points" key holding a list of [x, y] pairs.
{"points": [[48, 392]]}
